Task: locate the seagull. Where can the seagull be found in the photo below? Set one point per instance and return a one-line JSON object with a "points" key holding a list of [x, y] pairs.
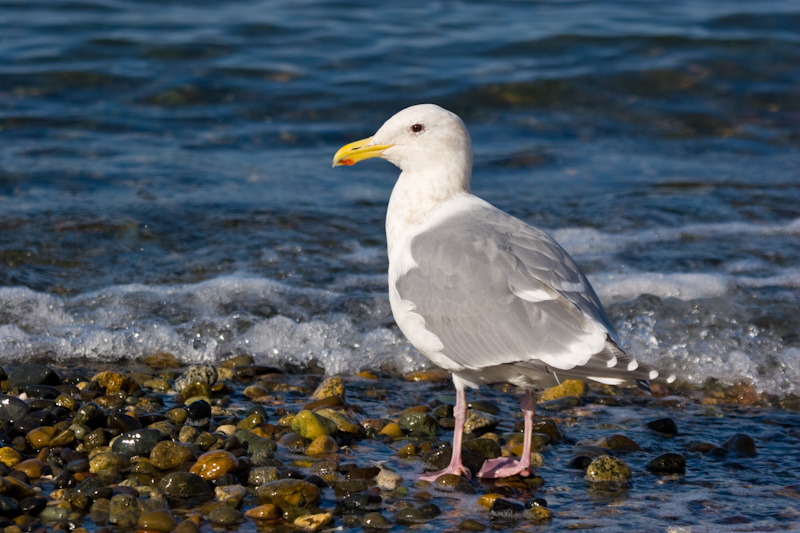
{"points": [[479, 292]]}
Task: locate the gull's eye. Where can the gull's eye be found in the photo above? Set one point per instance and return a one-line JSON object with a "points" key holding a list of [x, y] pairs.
{"points": [[417, 128]]}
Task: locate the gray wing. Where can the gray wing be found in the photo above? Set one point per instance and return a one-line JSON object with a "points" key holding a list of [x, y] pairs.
{"points": [[497, 291]]}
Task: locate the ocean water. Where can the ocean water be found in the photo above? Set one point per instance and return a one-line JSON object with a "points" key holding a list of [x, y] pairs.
{"points": [[165, 178]]}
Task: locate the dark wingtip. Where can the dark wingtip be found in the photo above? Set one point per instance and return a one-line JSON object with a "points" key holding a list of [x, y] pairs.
{"points": [[643, 384]]}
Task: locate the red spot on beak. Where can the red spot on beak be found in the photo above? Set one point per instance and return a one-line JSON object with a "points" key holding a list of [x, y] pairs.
{"points": [[347, 162]]}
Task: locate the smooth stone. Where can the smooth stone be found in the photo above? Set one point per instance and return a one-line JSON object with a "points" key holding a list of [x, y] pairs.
{"points": [[160, 521], [392, 430], [215, 464], [122, 422], [506, 509], [419, 422], [439, 458], [90, 414], [187, 526], [331, 386], [311, 425], [53, 514], [485, 448], [376, 521], [410, 516], [185, 486], [256, 444], [447, 482], [9, 456], [124, 511], [8, 507], [547, 426], [265, 511], [574, 388], [343, 489], [343, 422], [325, 403], [167, 454], [94, 488], [471, 525], [289, 493], [106, 461], [322, 445], [231, 495], [368, 472], [33, 505], [12, 408], [362, 502], [114, 382], [203, 373], [165, 428], [668, 463], [250, 422], [388, 480], [195, 389], [139, 442], [561, 404], [478, 422], [32, 468], [740, 445], [619, 443], [225, 516], [67, 402], [313, 522], [198, 410], [664, 426], [606, 468], [262, 475], [28, 374]]}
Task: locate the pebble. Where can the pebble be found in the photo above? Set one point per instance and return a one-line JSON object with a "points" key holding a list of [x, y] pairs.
{"points": [[160, 521], [740, 445], [376, 521], [606, 468], [265, 511], [139, 442], [310, 425], [322, 445], [113, 382], [289, 493], [12, 408], [167, 454], [422, 423], [331, 386], [619, 443], [570, 388], [668, 463], [388, 480], [225, 516], [185, 486], [313, 522], [213, 465], [196, 373], [664, 426], [28, 374], [478, 422]]}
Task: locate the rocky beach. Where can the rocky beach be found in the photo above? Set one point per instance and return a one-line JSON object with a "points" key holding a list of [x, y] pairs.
{"points": [[159, 447]]}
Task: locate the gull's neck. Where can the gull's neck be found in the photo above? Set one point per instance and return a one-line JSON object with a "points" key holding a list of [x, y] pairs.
{"points": [[417, 196]]}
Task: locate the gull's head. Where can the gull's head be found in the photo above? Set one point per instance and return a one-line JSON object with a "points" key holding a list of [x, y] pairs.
{"points": [[418, 138]]}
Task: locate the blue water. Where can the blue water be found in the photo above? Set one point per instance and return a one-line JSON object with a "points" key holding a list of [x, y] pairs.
{"points": [[165, 180]]}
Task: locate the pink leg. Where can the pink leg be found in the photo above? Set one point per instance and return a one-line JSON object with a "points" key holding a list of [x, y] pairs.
{"points": [[505, 466], [456, 467]]}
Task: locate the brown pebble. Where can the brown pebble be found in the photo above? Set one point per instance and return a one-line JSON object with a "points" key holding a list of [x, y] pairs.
{"points": [[330, 401], [392, 430], [471, 525], [32, 467], [215, 464], [322, 445], [160, 521], [409, 450], [265, 511]]}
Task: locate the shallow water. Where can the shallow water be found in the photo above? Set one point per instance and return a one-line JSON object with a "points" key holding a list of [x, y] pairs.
{"points": [[165, 180]]}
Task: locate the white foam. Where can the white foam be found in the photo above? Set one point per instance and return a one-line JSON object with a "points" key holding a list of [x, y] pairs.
{"points": [[619, 287]]}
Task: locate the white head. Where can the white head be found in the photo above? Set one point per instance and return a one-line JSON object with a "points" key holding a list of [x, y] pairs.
{"points": [[421, 139]]}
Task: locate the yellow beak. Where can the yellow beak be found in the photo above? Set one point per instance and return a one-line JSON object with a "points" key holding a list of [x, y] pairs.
{"points": [[352, 153]]}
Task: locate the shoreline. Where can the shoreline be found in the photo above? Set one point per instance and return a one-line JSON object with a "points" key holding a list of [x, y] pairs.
{"points": [[243, 447]]}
